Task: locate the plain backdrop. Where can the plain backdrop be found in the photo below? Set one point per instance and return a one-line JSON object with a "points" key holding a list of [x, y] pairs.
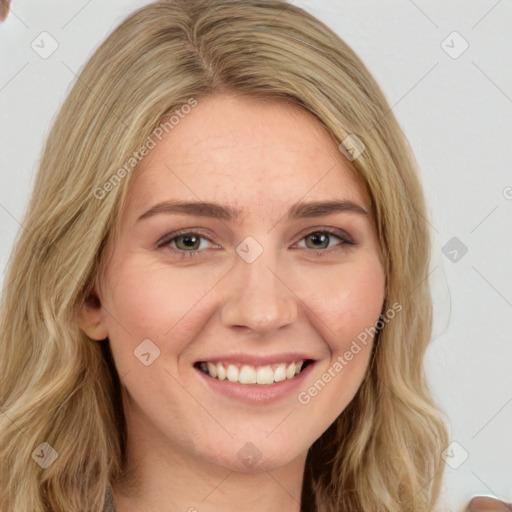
{"points": [[446, 70]]}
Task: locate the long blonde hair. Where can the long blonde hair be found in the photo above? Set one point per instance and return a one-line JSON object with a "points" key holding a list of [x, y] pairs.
{"points": [[59, 387]]}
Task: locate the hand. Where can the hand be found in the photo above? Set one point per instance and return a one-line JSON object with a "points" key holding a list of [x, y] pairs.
{"points": [[486, 503], [4, 9]]}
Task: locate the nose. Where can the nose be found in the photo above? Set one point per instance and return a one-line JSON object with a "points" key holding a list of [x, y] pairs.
{"points": [[258, 297]]}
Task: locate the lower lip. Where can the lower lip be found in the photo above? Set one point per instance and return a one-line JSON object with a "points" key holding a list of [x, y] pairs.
{"points": [[256, 394]]}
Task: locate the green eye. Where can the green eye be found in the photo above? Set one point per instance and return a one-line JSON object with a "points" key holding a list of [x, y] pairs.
{"points": [[318, 240], [188, 242]]}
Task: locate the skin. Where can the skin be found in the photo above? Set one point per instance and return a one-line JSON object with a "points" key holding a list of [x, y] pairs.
{"points": [[5, 6], [183, 436]]}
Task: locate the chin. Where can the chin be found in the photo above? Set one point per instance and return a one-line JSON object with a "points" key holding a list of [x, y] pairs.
{"points": [[256, 457]]}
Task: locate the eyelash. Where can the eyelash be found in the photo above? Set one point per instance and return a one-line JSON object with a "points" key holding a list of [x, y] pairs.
{"points": [[167, 240]]}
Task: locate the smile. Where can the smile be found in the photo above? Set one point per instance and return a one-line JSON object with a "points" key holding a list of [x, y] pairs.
{"points": [[248, 374]]}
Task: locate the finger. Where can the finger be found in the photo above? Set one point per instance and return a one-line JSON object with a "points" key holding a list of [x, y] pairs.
{"points": [[4, 9], [488, 504]]}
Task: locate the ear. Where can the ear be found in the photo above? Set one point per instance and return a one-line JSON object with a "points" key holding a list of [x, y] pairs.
{"points": [[91, 318]]}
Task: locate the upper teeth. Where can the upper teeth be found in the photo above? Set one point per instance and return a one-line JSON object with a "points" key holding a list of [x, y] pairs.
{"points": [[247, 374]]}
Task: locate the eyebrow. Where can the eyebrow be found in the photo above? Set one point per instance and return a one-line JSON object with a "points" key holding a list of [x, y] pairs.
{"points": [[298, 210]]}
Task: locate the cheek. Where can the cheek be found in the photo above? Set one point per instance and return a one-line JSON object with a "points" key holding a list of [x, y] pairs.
{"points": [[345, 314], [152, 301], [349, 303]]}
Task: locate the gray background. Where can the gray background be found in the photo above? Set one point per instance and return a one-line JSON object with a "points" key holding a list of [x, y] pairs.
{"points": [[455, 107]]}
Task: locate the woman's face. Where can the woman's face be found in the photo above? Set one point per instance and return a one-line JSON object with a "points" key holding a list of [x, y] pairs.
{"points": [[232, 257]]}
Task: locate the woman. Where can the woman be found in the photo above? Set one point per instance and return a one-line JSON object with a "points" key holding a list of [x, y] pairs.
{"points": [[221, 301]]}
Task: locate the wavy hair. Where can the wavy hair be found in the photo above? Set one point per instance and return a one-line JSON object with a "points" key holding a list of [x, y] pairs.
{"points": [[383, 453]]}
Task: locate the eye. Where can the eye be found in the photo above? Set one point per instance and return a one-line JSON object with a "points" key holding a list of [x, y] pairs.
{"points": [[187, 243], [321, 239]]}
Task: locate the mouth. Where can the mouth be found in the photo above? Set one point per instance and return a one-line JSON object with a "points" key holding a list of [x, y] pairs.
{"points": [[248, 374]]}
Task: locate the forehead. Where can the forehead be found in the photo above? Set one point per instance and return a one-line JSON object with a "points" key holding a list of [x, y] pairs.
{"points": [[250, 152]]}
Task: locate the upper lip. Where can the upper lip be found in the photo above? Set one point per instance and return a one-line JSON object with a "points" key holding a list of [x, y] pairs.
{"points": [[257, 360]]}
